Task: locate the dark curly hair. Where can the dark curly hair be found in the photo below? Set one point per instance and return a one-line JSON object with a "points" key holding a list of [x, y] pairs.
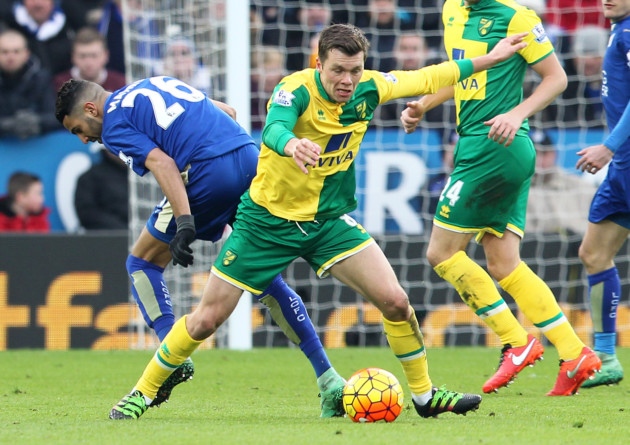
{"points": [[68, 96]]}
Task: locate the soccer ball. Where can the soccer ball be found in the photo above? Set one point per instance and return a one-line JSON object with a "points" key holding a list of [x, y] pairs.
{"points": [[373, 395]]}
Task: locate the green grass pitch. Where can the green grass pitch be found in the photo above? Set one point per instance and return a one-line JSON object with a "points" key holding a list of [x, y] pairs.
{"points": [[269, 396]]}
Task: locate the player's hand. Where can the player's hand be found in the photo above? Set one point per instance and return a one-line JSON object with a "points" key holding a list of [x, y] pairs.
{"points": [[593, 158], [304, 152], [411, 116], [508, 46], [230, 110], [503, 128], [180, 244]]}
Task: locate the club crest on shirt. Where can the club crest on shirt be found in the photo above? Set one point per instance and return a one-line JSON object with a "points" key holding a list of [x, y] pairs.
{"points": [[284, 98], [360, 109], [540, 33], [228, 258], [485, 25]]}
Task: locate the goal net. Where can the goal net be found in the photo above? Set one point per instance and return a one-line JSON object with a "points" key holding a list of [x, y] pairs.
{"points": [[399, 176]]}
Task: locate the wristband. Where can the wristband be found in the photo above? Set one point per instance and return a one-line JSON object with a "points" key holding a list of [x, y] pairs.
{"points": [[185, 222]]}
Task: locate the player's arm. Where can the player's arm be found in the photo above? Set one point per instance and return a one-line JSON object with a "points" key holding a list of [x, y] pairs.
{"points": [[413, 114], [503, 127], [278, 134], [503, 50], [594, 158], [169, 178], [231, 111]]}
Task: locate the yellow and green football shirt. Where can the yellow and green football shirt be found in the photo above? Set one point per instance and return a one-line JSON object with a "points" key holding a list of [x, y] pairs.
{"points": [[472, 31], [300, 108]]}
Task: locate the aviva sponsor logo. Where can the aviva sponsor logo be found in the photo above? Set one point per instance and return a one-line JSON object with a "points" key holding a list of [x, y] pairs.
{"points": [[469, 84], [485, 25], [229, 257], [331, 161]]}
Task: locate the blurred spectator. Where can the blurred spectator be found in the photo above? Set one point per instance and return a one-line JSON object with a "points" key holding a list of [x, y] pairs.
{"points": [[110, 26], [571, 15], [558, 200], [312, 17], [293, 27], [48, 33], [582, 98], [22, 209], [424, 16], [381, 25], [147, 29], [182, 61], [82, 13], [89, 59], [412, 52], [101, 199], [26, 91], [6, 12], [267, 71]]}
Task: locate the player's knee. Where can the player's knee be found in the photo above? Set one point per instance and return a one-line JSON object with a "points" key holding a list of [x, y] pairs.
{"points": [[396, 307], [435, 256], [595, 260], [202, 323], [134, 264]]}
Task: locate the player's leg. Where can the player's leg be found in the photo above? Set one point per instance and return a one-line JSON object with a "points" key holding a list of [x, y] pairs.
{"points": [[477, 289], [217, 191], [288, 311], [145, 265], [217, 303], [348, 252], [478, 200], [535, 299], [601, 243]]}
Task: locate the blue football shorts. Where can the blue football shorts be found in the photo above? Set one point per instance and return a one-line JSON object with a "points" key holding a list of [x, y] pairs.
{"points": [[214, 188], [612, 199]]}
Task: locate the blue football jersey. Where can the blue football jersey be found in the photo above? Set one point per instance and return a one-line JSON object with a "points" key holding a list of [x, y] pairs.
{"points": [[164, 112], [615, 81]]}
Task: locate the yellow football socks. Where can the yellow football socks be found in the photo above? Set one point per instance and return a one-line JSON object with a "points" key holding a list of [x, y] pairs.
{"points": [[177, 346], [407, 343], [535, 299], [477, 289]]}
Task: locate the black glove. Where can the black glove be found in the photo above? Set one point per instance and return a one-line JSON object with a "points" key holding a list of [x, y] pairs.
{"points": [[180, 245]]}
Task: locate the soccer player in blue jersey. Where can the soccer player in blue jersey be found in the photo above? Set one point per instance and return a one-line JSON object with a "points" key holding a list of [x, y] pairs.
{"points": [[609, 217], [298, 204], [203, 161]]}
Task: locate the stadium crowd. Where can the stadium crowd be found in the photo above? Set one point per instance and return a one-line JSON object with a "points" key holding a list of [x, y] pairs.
{"points": [[45, 42]]}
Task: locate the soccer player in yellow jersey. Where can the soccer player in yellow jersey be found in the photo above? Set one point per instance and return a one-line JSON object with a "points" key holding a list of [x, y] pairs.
{"points": [[486, 194], [298, 203]]}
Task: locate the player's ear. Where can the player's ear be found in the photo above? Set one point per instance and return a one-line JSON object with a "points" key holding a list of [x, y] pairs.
{"points": [[91, 109]]}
